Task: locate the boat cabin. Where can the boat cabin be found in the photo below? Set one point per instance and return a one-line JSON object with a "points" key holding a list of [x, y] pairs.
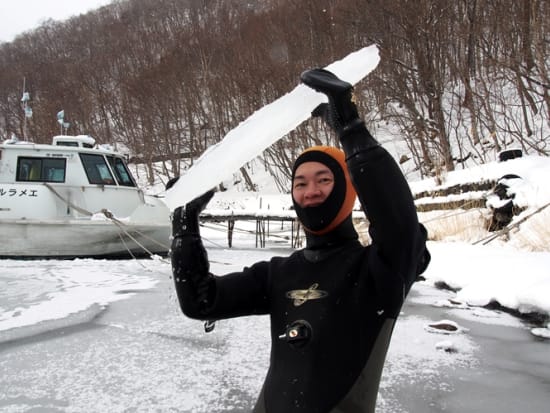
{"points": [[73, 170]]}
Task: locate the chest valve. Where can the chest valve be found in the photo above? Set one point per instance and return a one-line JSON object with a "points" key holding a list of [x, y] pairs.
{"points": [[297, 334]]}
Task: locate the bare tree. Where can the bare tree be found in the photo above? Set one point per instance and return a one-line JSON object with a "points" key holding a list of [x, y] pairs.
{"points": [[168, 78]]}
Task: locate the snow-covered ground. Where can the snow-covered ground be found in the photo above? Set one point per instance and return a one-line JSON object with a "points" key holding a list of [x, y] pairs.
{"points": [[99, 335]]}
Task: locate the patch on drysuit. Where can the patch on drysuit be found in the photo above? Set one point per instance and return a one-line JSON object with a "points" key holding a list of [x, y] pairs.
{"points": [[301, 296]]}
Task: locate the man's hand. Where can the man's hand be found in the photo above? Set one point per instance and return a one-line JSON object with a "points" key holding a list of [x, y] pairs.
{"points": [[197, 205], [340, 113], [185, 220]]}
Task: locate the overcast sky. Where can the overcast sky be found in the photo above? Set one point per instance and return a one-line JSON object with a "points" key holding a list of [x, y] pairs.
{"points": [[17, 16]]}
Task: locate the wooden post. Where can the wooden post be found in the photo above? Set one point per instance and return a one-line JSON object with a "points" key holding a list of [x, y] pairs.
{"points": [[295, 237], [230, 226], [262, 223], [260, 233], [257, 229]]}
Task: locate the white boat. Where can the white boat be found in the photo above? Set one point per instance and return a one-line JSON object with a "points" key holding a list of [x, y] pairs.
{"points": [[75, 199]]}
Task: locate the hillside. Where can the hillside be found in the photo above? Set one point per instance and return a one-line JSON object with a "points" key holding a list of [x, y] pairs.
{"points": [[457, 82]]}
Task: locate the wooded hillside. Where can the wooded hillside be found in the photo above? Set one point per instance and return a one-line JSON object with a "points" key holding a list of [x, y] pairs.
{"points": [[457, 80]]}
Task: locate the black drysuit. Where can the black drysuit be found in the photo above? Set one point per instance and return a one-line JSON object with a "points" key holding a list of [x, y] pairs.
{"points": [[347, 296]]}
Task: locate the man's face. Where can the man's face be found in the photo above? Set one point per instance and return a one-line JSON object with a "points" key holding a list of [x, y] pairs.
{"points": [[313, 183]]}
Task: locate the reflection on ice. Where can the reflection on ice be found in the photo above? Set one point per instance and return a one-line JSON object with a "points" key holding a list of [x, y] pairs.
{"points": [[40, 296], [23, 330]]}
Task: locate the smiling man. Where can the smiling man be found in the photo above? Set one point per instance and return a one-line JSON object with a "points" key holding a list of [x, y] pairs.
{"points": [[332, 305], [312, 184]]}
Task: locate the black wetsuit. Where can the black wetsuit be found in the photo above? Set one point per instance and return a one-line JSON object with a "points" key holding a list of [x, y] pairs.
{"points": [[343, 297]]}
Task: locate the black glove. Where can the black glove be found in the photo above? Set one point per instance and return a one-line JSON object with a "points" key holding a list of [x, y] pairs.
{"points": [[195, 285], [340, 113], [185, 220]]}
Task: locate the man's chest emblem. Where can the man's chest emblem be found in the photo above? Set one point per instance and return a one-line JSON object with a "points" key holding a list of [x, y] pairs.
{"points": [[301, 296]]}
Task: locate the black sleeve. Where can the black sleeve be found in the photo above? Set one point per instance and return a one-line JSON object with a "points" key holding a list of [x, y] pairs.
{"points": [[242, 293], [191, 273], [398, 238], [203, 296]]}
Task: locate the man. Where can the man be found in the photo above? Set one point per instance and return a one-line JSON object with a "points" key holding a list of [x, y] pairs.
{"points": [[333, 304]]}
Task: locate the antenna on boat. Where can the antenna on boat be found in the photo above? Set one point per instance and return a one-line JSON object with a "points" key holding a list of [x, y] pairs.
{"points": [[26, 107], [61, 121]]}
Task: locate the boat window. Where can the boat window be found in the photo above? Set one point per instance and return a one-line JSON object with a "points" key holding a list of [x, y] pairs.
{"points": [[96, 169], [30, 169], [67, 143], [122, 174]]}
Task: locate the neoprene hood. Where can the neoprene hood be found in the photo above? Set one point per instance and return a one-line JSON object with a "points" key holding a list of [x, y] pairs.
{"points": [[322, 219]]}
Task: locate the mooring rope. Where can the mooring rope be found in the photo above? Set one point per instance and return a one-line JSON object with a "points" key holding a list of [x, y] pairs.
{"points": [[120, 225], [507, 229]]}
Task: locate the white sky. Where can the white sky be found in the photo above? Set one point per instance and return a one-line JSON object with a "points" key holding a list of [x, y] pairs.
{"points": [[18, 16]]}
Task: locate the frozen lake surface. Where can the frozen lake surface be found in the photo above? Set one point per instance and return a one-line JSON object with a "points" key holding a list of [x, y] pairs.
{"points": [[115, 341]]}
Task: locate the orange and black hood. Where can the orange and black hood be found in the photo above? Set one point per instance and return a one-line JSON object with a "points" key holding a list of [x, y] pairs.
{"points": [[323, 219]]}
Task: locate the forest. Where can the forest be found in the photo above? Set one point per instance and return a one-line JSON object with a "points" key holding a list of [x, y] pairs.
{"points": [[458, 81]]}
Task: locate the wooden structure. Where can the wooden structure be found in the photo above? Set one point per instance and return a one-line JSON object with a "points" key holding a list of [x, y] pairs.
{"points": [[263, 226]]}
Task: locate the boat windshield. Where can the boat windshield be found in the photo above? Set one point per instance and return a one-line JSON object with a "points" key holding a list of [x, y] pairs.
{"points": [[96, 168], [122, 174], [35, 169]]}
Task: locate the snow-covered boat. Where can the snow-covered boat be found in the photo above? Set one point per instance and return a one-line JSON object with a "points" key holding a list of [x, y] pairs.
{"points": [[75, 199]]}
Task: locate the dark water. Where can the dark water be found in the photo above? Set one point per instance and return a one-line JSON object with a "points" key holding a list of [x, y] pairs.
{"points": [[510, 372]]}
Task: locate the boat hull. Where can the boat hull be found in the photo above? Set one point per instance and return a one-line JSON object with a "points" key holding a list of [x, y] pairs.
{"points": [[82, 239]]}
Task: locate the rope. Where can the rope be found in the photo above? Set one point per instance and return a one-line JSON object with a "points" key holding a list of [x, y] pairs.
{"points": [[69, 203], [126, 246], [507, 229], [121, 225]]}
